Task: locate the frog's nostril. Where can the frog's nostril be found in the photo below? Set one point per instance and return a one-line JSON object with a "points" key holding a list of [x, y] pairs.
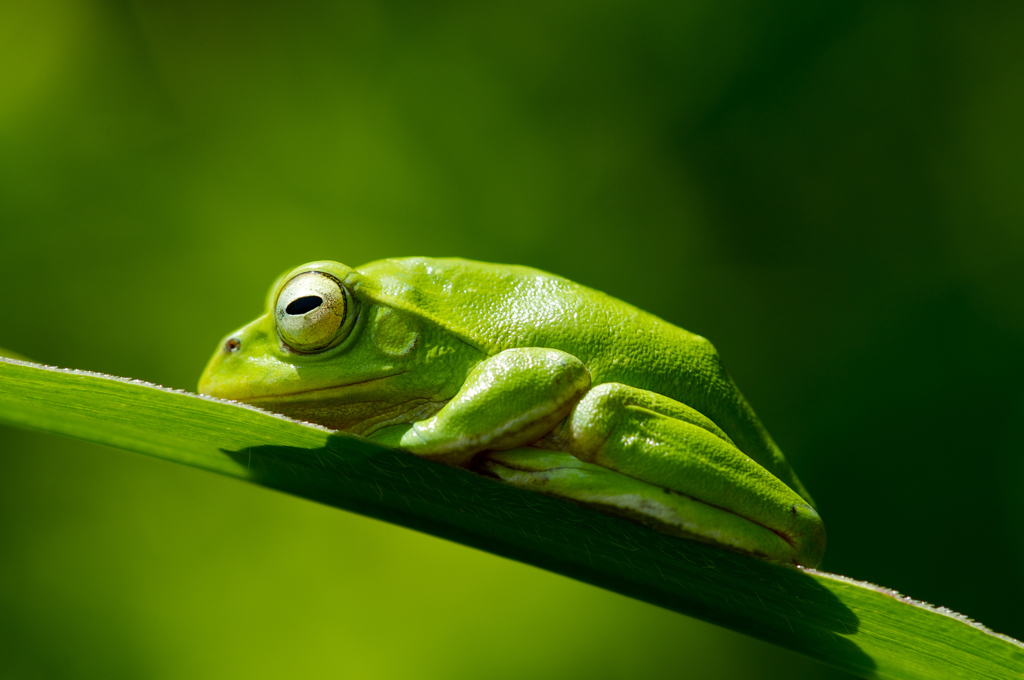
{"points": [[232, 345], [304, 304]]}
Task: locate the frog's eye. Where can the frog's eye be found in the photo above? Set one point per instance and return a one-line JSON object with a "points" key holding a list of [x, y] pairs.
{"points": [[311, 312]]}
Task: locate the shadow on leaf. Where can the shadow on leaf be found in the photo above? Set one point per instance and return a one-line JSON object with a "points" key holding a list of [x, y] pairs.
{"points": [[778, 604]]}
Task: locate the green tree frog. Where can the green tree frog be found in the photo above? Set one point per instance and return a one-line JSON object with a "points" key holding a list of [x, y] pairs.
{"points": [[530, 378]]}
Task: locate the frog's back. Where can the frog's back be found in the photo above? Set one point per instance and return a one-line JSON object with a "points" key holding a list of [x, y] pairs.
{"points": [[497, 307]]}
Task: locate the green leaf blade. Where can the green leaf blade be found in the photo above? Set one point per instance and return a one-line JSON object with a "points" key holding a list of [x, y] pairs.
{"points": [[866, 630]]}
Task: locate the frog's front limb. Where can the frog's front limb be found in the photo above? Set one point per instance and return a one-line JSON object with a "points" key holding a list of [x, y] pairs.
{"points": [[510, 399], [663, 443]]}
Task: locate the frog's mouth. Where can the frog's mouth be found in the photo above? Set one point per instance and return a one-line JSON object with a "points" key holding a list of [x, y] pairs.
{"points": [[327, 393]]}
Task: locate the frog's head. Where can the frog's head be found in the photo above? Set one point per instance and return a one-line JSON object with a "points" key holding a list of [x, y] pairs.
{"points": [[330, 351]]}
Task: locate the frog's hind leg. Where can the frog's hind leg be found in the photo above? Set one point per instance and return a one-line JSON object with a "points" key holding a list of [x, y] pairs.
{"points": [[563, 475], [723, 495]]}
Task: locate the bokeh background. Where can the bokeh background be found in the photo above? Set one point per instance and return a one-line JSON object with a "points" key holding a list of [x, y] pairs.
{"points": [[831, 192]]}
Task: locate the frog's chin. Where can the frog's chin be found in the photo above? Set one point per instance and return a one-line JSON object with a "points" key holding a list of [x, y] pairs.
{"points": [[358, 408]]}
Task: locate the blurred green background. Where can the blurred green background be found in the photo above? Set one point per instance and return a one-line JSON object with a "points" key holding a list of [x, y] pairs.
{"points": [[833, 193]]}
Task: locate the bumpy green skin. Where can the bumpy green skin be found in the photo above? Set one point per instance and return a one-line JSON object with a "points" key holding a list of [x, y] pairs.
{"points": [[540, 382]]}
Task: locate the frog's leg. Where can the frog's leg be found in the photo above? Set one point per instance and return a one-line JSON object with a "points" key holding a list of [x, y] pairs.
{"points": [[510, 399], [717, 493], [563, 475]]}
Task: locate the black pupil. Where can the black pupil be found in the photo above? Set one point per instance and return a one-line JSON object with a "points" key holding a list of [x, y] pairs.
{"points": [[304, 304]]}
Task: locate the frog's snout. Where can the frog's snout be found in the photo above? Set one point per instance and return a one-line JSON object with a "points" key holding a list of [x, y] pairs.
{"points": [[210, 380]]}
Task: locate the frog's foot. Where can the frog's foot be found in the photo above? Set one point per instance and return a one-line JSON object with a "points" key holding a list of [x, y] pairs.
{"points": [[717, 489]]}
